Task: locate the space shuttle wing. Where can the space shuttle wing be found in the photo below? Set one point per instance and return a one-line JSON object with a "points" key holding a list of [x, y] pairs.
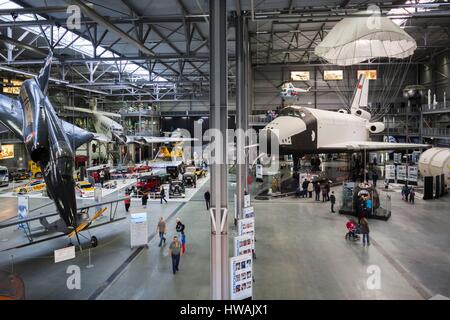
{"points": [[371, 146]]}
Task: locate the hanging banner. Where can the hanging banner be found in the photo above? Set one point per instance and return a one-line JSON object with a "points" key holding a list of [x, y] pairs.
{"points": [[243, 244], [259, 172], [246, 226], [370, 74], [412, 173], [401, 173], [138, 229], [241, 277], [397, 158], [389, 174], [333, 75]]}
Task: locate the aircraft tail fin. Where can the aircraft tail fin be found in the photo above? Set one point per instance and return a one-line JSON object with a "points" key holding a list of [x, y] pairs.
{"points": [[44, 74], [361, 94]]}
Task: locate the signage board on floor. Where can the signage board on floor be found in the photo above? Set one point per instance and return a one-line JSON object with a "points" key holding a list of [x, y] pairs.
{"points": [[241, 277], [243, 244], [22, 210], [64, 254], [412, 173], [246, 226], [401, 173], [138, 229], [389, 174]]}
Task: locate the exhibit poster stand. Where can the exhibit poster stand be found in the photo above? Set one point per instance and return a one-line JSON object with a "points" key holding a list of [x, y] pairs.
{"points": [[246, 226], [389, 174], [397, 158], [23, 205], [241, 277], [243, 244], [412, 175], [139, 229], [401, 174], [248, 212], [247, 202]]}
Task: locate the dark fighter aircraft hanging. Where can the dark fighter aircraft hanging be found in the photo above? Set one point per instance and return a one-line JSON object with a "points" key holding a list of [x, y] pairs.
{"points": [[50, 141]]}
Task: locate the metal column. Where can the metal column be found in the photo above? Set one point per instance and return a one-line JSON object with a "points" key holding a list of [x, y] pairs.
{"points": [[249, 96], [218, 123], [241, 110]]}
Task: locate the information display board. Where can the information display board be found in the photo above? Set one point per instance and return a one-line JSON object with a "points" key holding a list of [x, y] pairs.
{"points": [[6, 151], [22, 211], [248, 212], [389, 170], [241, 277], [246, 226], [412, 173], [243, 244], [247, 202], [64, 254], [401, 173], [333, 75], [300, 75], [138, 229]]}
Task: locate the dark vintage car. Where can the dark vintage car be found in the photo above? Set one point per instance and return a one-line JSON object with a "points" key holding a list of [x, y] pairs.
{"points": [[176, 189], [190, 178]]}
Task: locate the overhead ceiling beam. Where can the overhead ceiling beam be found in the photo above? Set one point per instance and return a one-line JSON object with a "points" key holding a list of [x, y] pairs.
{"points": [[107, 24]]}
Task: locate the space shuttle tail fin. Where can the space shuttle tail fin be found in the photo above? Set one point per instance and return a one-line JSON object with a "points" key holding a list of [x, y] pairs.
{"points": [[361, 94], [44, 74]]}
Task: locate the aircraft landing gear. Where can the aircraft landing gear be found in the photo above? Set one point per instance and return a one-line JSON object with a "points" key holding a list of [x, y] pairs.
{"points": [[94, 241]]}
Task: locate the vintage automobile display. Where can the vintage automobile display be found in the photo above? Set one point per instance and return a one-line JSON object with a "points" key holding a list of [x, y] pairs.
{"points": [[84, 189], [176, 189], [190, 177], [32, 187]]}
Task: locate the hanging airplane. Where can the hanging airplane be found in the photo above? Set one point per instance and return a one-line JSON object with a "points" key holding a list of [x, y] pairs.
{"points": [[289, 91], [113, 131], [51, 143], [300, 130]]}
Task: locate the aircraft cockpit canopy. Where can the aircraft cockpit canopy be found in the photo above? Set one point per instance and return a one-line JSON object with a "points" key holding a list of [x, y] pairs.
{"points": [[292, 112]]}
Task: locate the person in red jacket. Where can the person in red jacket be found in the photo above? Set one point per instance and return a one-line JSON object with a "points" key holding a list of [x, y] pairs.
{"points": [[127, 202]]}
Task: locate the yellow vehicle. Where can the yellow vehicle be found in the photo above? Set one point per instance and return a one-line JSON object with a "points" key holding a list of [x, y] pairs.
{"points": [[33, 186], [176, 152], [84, 189], [200, 172], [35, 170]]}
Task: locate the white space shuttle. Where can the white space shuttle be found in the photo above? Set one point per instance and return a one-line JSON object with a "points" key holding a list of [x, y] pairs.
{"points": [[300, 130]]}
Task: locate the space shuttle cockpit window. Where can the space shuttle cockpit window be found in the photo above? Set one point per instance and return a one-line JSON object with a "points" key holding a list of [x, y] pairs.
{"points": [[290, 112]]}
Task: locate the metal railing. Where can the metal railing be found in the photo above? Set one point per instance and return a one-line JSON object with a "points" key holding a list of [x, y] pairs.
{"points": [[258, 119], [438, 107], [142, 113], [436, 132]]}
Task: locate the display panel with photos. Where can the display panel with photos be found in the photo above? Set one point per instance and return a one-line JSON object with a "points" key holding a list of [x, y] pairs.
{"points": [[241, 277], [370, 74], [332, 75], [6, 151], [300, 75], [243, 244]]}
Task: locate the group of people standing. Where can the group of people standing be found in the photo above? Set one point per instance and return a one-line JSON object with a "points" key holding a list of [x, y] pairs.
{"points": [[408, 193]]}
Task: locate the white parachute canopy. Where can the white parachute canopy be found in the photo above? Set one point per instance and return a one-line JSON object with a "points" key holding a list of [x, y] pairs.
{"points": [[357, 39]]}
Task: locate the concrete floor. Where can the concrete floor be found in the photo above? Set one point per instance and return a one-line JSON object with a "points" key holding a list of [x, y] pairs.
{"points": [[301, 254]]}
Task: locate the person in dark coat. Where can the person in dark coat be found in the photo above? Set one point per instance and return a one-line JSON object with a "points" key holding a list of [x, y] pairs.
{"points": [[374, 179], [317, 190], [207, 196], [144, 199], [162, 194], [332, 201]]}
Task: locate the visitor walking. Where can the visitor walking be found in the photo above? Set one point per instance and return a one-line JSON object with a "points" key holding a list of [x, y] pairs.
{"points": [[374, 179], [179, 227], [161, 229], [162, 194], [127, 202], [183, 243], [332, 201], [102, 177], [412, 194], [144, 199], [175, 251], [207, 196], [365, 231]]}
